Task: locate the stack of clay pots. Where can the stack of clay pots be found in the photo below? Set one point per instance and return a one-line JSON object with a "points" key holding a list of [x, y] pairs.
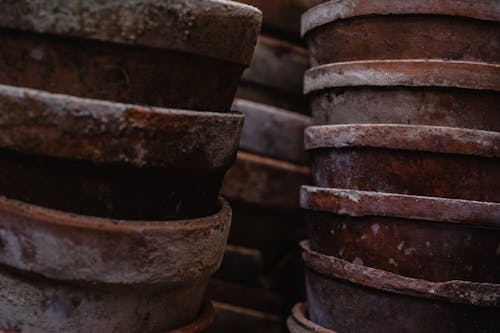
{"points": [[262, 261], [110, 219], [404, 219]]}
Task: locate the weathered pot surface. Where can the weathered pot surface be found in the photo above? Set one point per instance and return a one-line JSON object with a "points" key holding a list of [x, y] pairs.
{"points": [[72, 247], [407, 235], [192, 27], [353, 298], [407, 159], [73, 271], [265, 182], [297, 322], [114, 160], [275, 76], [395, 29], [417, 92], [128, 57], [273, 132]]}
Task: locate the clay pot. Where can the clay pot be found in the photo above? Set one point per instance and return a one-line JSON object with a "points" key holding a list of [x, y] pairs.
{"points": [[265, 182], [349, 30], [420, 237], [181, 54], [415, 160], [351, 298], [64, 272], [298, 322], [113, 160], [417, 92], [275, 76], [273, 132]]}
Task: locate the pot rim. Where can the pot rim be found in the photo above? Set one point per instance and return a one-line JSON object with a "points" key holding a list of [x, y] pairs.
{"points": [[368, 203], [334, 10], [436, 139], [297, 322], [265, 182], [37, 122], [72, 247], [264, 123], [405, 73], [188, 25], [454, 291]]}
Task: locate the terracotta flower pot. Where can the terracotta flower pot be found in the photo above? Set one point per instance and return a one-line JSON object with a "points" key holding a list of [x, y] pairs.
{"points": [[275, 75], [420, 237], [273, 132], [63, 272], [113, 160], [185, 54], [411, 92], [415, 160], [351, 298], [348, 30]]}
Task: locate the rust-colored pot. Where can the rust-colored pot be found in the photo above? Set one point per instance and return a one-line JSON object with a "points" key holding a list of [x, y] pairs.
{"points": [[273, 132], [421, 237], [113, 160], [63, 272], [348, 30], [186, 54], [275, 75], [352, 298], [415, 160], [297, 322], [417, 92]]}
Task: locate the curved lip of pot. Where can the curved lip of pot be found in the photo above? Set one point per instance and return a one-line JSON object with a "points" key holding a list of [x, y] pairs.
{"points": [[297, 322], [406, 73], [331, 11], [273, 182], [71, 247], [455, 291], [267, 122], [437, 139], [367, 203], [218, 29], [62, 126], [202, 323]]}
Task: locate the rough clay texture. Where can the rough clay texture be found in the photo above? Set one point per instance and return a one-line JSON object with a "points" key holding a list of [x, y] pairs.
{"points": [[32, 304], [36, 122], [435, 106], [76, 248], [405, 37], [342, 9], [273, 132], [265, 182], [215, 28], [405, 137], [457, 292], [413, 73], [364, 203], [278, 65]]}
